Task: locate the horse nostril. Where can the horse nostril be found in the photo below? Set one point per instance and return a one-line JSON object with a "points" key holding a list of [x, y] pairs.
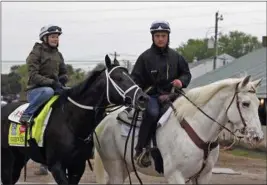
{"points": [[257, 139], [243, 131]]}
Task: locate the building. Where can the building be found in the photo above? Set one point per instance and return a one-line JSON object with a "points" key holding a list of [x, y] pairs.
{"points": [[253, 64], [201, 67]]}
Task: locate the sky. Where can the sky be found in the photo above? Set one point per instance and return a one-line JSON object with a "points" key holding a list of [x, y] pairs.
{"points": [[93, 29]]}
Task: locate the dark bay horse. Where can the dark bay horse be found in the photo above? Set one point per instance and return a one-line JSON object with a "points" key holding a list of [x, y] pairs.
{"points": [[75, 114]]}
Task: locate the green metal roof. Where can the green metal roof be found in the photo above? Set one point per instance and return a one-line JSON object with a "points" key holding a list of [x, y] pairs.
{"points": [[253, 64]]}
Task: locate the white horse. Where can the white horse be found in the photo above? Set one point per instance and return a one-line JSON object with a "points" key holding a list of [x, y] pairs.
{"points": [[232, 100]]}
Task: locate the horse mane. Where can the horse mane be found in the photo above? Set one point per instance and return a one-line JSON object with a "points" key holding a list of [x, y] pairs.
{"points": [[200, 96], [79, 89]]}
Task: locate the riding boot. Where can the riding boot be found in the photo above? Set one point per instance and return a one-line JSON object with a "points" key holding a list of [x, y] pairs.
{"points": [[25, 119], [141, 155]]}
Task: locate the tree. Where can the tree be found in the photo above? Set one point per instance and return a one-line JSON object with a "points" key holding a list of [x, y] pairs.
{"points": [[195, 48], [238, 44], [235, 44], [16, 81]]}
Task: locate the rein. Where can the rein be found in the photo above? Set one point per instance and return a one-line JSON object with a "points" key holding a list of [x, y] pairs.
{"points": [[222, 126], [207, 147], [133, 124]]}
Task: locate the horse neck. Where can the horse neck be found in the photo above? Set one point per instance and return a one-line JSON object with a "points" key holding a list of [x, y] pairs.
{"points": [[82, 120], [207, 129]]}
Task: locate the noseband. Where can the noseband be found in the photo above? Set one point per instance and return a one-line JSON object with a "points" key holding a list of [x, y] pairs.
{"points": [[238, 108], [121, 92]]}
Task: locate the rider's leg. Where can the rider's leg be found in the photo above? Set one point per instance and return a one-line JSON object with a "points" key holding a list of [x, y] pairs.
{"points": [[36, 97], [150, 117]]}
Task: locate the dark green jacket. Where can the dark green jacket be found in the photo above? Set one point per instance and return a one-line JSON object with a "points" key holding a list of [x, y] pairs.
{"points": [[45, 65]]}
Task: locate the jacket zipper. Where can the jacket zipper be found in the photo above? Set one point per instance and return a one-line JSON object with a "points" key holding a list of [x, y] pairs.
{"points": [[167, 71]]}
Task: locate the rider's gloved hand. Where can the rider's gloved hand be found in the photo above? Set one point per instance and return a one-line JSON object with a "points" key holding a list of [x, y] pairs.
{"points": [[164, 98], [56, 85], [58, 88], [63, 79]]}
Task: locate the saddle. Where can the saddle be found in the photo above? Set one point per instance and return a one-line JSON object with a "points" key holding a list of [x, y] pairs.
{"points": [[126, 116], [14, 117]]}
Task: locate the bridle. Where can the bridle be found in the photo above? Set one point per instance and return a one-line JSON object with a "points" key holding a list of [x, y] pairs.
{"points": [[238, 108], [121, 92], [208, 146], [221, 125]]}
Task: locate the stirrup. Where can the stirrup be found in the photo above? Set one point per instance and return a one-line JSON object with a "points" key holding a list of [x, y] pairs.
{"points": [[143, 160], [29, 122]]}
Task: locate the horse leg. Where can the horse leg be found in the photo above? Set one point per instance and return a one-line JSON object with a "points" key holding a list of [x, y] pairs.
{"points": [[175, 178], [75, 172], [6, 165], [203, 178], [116, 171], [59, 173], [19, 163]]}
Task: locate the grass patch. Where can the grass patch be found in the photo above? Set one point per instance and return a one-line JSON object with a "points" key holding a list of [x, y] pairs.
{"points": [[248, 153]]}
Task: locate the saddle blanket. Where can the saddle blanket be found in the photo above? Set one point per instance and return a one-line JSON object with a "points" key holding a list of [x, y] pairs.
{"points": [[125, 128], [16, 136]]}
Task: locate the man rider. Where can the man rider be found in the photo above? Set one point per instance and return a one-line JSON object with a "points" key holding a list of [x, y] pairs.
{"points": [[157, 70]]}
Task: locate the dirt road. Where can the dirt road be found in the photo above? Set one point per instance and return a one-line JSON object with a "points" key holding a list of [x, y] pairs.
{"points": [[253, 171]]}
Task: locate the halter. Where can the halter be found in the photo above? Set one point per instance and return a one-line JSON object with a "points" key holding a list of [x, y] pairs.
{"points": [[208, 146], [121, 92], [222, 126], [238, 108]]}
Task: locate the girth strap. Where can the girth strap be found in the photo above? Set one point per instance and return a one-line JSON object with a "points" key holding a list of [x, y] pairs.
{"points": [[206, 147]]}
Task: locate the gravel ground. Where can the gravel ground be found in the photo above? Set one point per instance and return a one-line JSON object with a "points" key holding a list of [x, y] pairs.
{"points": [[253, 171]]}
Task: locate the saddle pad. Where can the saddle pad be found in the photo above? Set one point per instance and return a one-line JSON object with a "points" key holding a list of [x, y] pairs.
{"points": [[16, 135], [125, 128], [16, 114]]}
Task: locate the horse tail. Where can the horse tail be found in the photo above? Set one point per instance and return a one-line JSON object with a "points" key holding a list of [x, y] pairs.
{"points": [[99, 168]]}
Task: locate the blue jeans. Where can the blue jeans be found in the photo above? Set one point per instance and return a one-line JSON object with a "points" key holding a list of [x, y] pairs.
{"points": [[37, 97], [153, 107], [149, 123]]}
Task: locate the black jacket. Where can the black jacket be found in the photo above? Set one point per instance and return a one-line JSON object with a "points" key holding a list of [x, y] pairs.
{"points": [[159, 68]]}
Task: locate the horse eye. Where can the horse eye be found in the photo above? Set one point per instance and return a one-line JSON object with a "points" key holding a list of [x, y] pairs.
{"points": [[245, 104]]}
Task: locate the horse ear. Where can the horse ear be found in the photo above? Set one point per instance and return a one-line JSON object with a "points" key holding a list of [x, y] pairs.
{"points": [[116, 62], [256, 83], [245, 81], [108, 61]]}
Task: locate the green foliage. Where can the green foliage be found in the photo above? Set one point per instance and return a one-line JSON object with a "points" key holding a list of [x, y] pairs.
{"points": [[195, 48], [234, 43], [16, 81], [238, 44]]}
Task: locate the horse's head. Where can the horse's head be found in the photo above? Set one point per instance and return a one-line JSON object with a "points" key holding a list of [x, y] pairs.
{"points": [[120, 88], [242, 111]]}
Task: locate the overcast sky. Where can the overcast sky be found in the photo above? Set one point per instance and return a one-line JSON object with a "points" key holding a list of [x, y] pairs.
{"points": [[92, 29]]}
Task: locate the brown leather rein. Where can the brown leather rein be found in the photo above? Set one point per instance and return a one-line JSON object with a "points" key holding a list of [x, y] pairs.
{"points": [[207, 147]]}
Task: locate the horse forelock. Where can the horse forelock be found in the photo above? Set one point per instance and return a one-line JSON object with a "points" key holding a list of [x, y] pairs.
{"points": [[200, 96]]}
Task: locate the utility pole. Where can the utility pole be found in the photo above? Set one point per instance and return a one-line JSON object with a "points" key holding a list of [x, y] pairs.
{"points": [[115, 55], [217, 18]]}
